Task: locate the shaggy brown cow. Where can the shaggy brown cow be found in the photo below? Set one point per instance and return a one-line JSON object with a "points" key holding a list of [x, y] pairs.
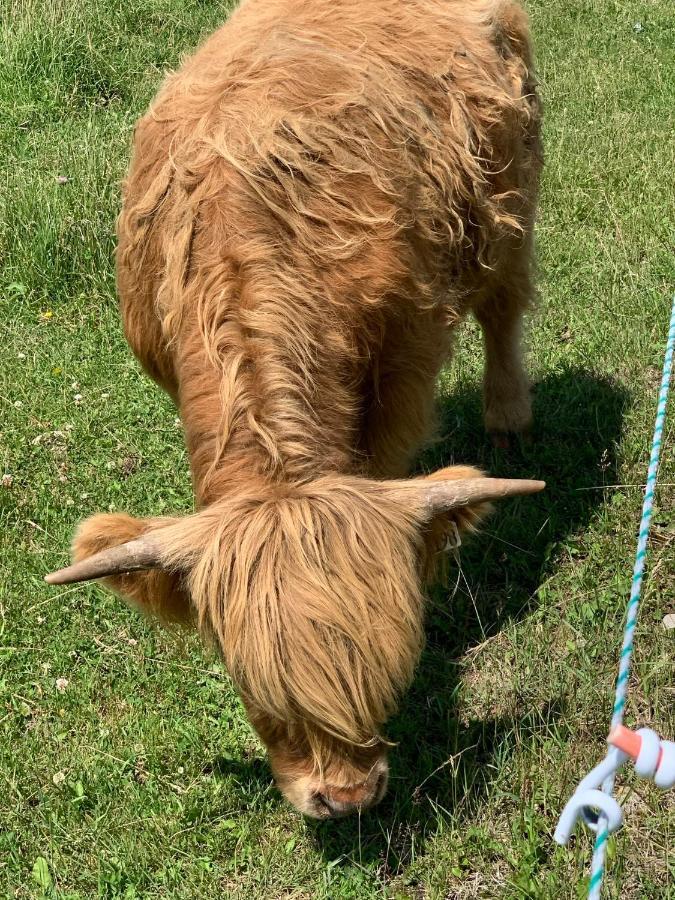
{"points": [[316, 199]]}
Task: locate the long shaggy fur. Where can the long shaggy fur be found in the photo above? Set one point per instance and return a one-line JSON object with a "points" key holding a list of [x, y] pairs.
{"points": [[270, 586], [319, 176], [316, 198]]}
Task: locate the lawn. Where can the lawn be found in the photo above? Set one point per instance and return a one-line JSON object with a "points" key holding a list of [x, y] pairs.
{"points": [[127, 767]]}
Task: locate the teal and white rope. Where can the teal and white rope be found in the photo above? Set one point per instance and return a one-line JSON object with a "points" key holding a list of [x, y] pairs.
{"points": [[599, 850]]}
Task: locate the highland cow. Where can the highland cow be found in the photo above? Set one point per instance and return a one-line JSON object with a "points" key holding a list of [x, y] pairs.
{"points": [[317, 198]]}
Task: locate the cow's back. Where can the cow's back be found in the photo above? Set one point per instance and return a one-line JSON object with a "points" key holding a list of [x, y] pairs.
{"points": [[319, 168]]}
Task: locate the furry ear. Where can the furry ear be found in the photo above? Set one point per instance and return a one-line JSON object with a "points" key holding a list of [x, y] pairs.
{"points": [[451, 501], [465, 518], [444, 530], [157, 592]]}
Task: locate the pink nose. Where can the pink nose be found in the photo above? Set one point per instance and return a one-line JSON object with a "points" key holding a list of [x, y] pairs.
{"points": [[333, 802]]}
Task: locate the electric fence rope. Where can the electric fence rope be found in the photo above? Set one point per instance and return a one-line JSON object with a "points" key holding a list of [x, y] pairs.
{"points": [[654, 758]]}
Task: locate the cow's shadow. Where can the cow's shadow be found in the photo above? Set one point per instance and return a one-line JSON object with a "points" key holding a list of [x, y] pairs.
{"points": [[441, 763]]}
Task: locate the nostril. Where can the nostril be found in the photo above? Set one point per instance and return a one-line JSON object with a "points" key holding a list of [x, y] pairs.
{"points": [[323, 802], [332, 808]]}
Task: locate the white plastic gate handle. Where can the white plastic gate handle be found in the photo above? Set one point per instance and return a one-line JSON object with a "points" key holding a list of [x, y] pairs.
{"points": [[580, 800]]}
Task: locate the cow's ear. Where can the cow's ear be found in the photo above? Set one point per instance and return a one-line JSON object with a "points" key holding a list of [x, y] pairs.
{"points": [[129, 555], [452, 501], [447, 521]]}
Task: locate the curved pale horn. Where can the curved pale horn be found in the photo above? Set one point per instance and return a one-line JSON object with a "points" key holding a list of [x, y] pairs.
{"points": [[442, 496], [141, 553]]}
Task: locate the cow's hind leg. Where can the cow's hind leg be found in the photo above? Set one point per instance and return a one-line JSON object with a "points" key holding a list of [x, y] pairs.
{"points": [[506, 387]]}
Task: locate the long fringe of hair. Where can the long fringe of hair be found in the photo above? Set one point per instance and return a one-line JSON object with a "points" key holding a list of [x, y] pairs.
{"points": [[313, 596]]}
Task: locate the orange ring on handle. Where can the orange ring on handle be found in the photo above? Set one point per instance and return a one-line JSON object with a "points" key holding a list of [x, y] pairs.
{"points": [[626, 740]]}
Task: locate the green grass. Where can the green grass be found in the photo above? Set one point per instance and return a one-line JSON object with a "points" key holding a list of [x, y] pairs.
{"points": [[141, 777]]}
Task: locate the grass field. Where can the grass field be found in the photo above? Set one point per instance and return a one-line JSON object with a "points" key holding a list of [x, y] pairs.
{"points": [[127, 767]]}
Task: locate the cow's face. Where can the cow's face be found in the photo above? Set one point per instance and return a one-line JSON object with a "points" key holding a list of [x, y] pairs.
{"points": [[319, 614], [313, 595]]}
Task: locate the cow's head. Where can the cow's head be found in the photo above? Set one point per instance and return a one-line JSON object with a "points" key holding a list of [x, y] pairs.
{"points": [[313, 595]]}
